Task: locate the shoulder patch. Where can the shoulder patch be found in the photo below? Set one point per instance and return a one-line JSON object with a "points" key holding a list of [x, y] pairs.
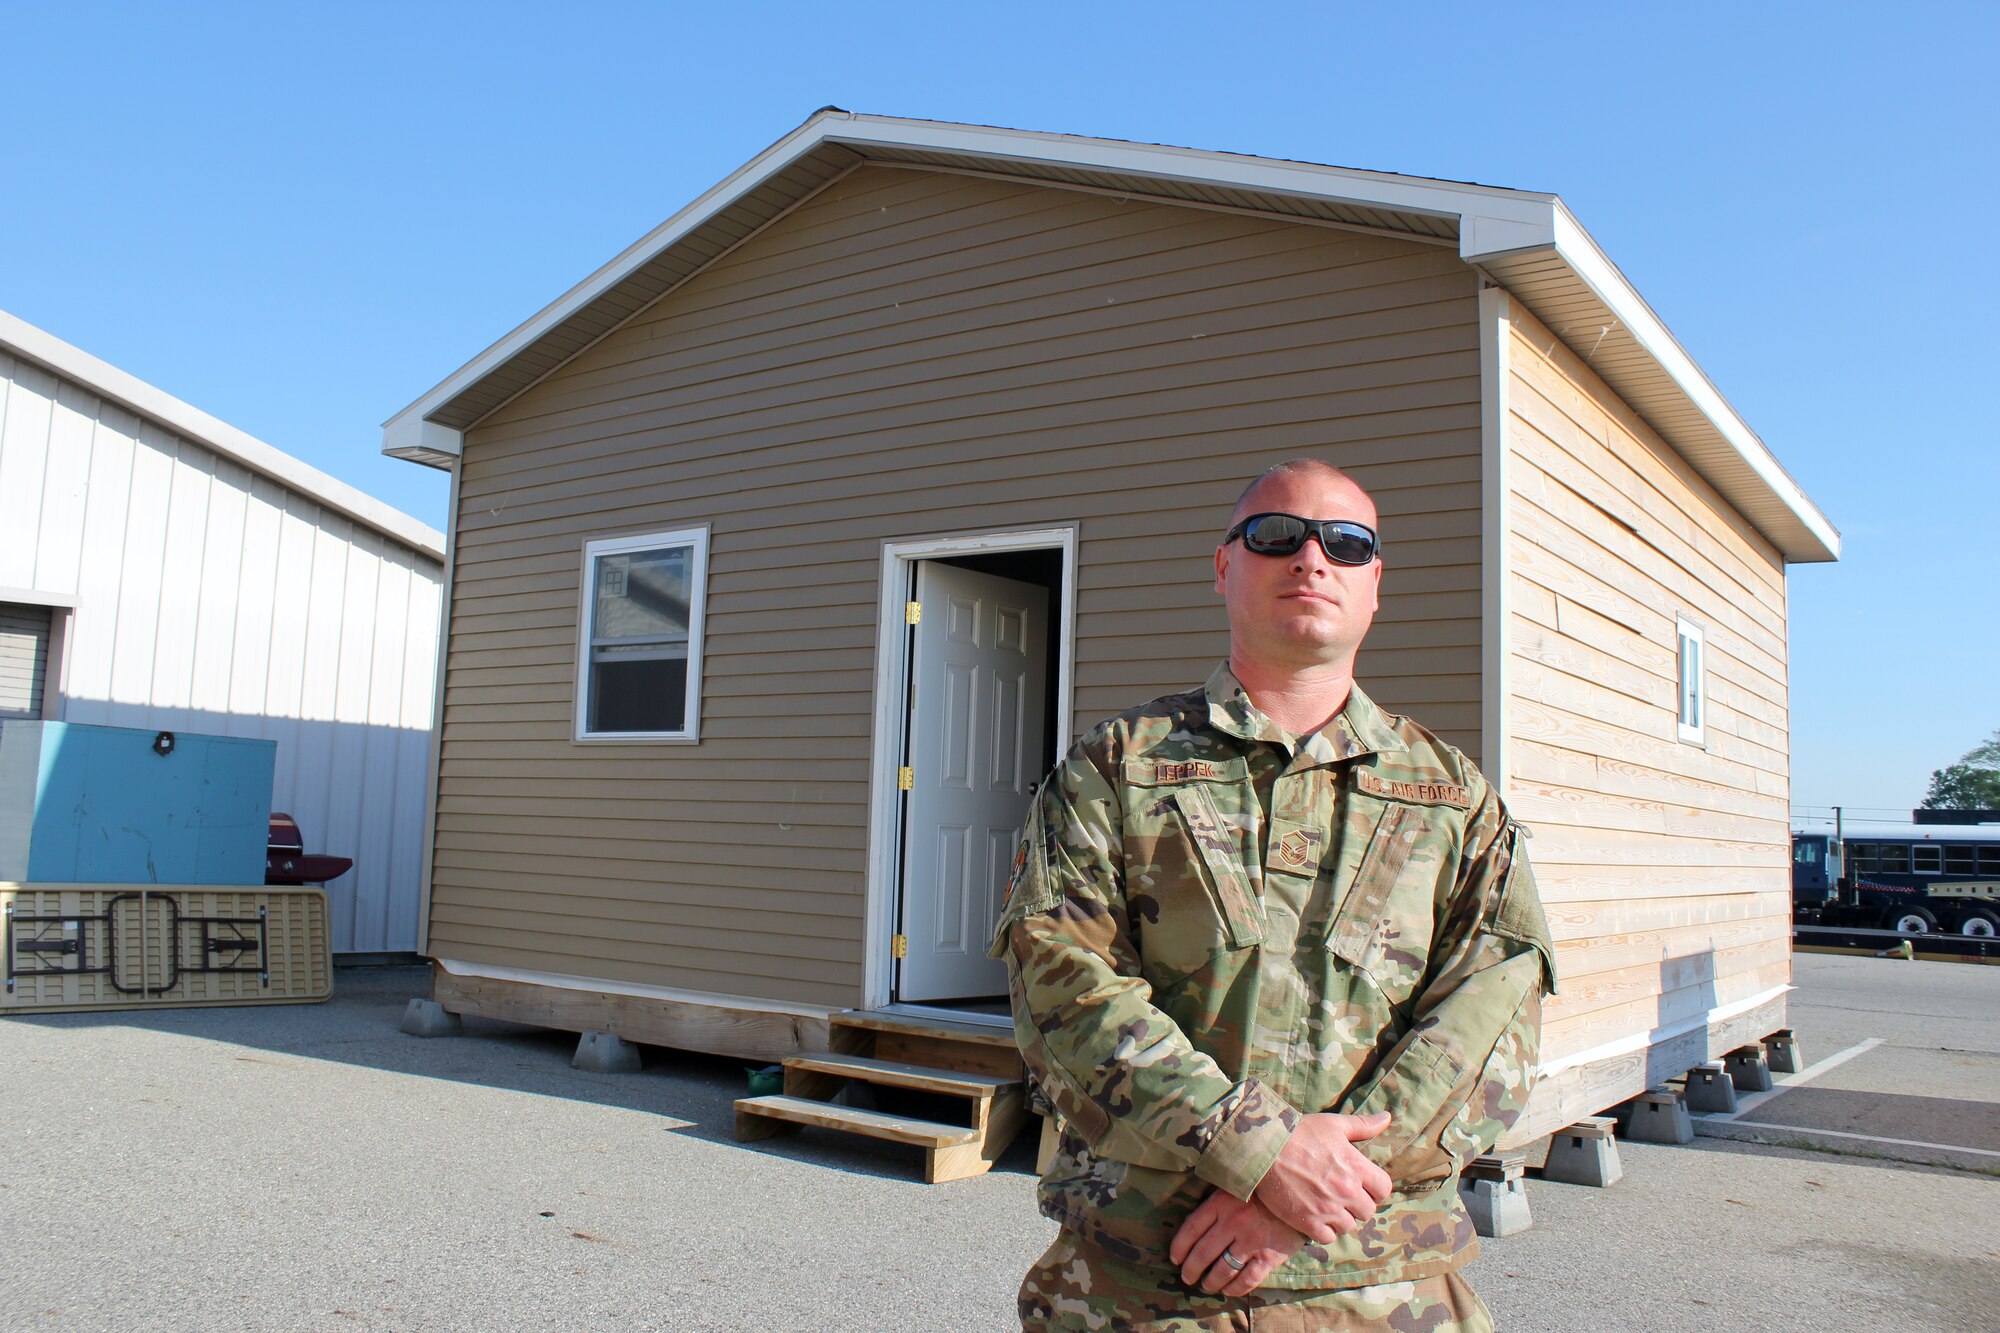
{"points": [[1418, 793]]}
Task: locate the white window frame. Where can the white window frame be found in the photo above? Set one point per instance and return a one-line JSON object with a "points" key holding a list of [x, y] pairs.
{"points": [[1691, 676], [696, 539]]}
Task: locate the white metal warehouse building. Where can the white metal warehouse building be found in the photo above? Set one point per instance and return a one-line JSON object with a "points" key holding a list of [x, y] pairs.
{"points": [[161, 569]]}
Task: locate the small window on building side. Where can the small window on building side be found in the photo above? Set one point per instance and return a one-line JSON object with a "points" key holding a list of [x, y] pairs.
{"points": [[1693, 681], [639, 660], [1927, 858]]}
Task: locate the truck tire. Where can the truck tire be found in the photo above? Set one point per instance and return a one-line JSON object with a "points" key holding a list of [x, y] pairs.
{"points": [[1909, 921], [1979, 922]]}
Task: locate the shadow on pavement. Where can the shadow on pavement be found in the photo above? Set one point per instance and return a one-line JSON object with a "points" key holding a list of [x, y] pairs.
{"points": [[361, 1026]]}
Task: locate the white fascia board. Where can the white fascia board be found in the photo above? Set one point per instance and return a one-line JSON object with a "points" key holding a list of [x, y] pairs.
{"points": [[65, 601], [1499, 208], [1595, 269], [107, 381], [412, 438]]}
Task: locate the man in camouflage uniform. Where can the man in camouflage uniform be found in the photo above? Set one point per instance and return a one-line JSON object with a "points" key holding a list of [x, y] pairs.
{"points": [[1277, 959]]}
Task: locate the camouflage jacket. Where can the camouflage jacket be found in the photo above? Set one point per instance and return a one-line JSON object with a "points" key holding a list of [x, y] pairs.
{"points": [[1214, 926]]}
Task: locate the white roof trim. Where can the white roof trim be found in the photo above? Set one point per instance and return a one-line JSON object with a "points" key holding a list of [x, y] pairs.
{"points": [[1491, 221], [44, 349], [1591, 264]]}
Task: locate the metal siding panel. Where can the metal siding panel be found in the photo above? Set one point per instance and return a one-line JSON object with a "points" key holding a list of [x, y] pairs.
{"points": [[65, 484], [198, 610], [180, 587], [219, 587], [25, 414]]}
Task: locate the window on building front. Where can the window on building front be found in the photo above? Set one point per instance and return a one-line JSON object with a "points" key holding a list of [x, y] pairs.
{"points": [[1693, 680], [639, 660]]}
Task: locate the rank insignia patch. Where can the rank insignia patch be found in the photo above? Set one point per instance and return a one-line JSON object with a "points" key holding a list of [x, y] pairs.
{"points": [[1296, 847]]}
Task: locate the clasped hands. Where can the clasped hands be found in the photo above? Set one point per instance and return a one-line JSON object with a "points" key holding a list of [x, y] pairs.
{"points": [[1320, 1188]]}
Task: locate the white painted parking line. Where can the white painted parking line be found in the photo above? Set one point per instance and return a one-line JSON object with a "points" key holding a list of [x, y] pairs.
{"points": [[1807, 1131], [1750, 1101], [1811, 1072]]}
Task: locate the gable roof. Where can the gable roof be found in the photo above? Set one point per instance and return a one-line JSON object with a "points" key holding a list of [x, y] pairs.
{"points": [[1527, 241], [23, 340]]}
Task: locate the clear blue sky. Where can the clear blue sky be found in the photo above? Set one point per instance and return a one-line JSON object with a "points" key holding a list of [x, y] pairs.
{"points": [[299, 217]]}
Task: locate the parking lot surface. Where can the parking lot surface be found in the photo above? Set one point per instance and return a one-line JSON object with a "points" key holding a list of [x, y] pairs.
{"points": [[305, 1168]]}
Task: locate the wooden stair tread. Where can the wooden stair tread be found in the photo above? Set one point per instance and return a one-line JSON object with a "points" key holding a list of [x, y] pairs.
{"points": [[870, 1124], [977, 1034], [895, 1073]]}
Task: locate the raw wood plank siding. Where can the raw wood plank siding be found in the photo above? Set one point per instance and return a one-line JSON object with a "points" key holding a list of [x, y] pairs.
{"points": [[911, 353], [1664, 864]]}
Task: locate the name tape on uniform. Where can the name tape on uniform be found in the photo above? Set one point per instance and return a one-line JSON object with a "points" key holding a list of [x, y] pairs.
{"points": [[1157, 772]]}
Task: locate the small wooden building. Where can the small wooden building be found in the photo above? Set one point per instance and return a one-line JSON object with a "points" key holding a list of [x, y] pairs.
{"points": [[161, 569], [707, 775]]}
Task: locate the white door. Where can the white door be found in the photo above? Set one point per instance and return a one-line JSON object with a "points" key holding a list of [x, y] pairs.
{"points": [[977, 713]]}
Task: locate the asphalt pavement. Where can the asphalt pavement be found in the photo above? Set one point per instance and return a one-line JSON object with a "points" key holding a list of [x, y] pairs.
{"points": [[310, 1167]]}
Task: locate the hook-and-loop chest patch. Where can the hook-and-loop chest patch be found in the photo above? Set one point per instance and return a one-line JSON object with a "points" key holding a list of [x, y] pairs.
{"points": [[1413, 793]]}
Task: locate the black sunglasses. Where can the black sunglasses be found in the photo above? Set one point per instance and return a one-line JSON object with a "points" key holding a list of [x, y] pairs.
{"points": [[1345, 542]]}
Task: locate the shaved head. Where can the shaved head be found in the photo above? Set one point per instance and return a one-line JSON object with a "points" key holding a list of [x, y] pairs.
{"points": [[1302, 469]]}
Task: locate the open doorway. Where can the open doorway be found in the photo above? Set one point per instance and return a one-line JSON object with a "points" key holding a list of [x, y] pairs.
{"points": [[977, 703]]}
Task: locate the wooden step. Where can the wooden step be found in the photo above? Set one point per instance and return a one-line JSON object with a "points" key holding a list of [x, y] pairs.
{"points": [[973, 1034], [896, 1074], [871, 1124]]}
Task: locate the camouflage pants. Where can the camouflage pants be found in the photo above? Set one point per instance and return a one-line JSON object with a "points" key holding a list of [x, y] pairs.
{"points": [[1075, 1286]]}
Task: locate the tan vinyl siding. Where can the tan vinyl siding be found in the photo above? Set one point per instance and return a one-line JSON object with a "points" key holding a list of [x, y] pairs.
{"points": [[909, 354], [1664, 864]]}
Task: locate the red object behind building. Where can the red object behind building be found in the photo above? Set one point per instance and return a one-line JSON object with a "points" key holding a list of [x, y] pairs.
{"points": [[287, 862]]}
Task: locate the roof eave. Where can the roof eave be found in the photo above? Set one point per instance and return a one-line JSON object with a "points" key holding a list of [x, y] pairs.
{"points": [[52, 354], [1767, 495], [1492, 223]]}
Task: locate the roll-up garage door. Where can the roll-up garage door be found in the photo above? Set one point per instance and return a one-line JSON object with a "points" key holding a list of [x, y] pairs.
{"points": [[24, 658]]}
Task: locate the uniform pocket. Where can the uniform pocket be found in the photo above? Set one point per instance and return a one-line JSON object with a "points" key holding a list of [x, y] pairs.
{"points": [[1223, 873], [1351, 935], [1517, 910]]}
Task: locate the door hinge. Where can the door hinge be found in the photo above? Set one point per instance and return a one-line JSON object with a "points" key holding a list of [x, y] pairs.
{"points": [[906, 779], [899, 946], [913, 613]]}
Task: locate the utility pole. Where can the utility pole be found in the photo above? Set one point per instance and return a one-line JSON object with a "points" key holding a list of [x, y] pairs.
{"points": [[1839, 850]]}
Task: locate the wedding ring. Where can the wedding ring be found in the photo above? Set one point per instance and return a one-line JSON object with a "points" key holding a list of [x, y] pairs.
{"points": [[1232, 1260]]}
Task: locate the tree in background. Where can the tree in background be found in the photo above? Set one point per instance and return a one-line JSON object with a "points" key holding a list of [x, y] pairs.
{"points": [[1973, 783]]}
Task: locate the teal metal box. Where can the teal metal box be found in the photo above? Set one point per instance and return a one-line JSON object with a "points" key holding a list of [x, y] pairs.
{"points": [[120, 805]]}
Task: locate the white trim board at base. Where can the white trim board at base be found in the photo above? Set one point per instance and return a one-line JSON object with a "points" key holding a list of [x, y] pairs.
{"points": [[636, 989], [1639, 1042]]}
